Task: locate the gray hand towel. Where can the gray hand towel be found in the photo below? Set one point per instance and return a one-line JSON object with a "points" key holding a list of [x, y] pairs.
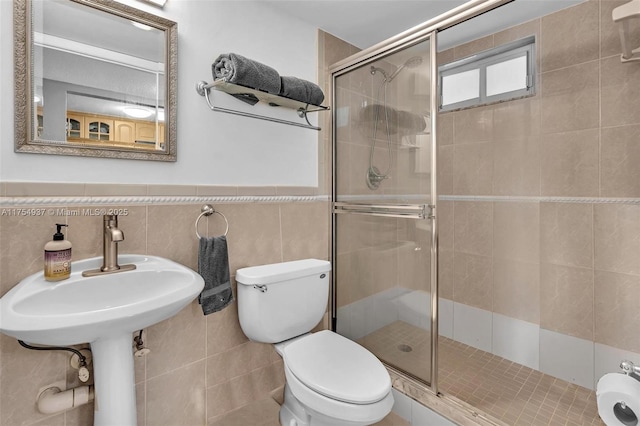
{"points": [[301, 90], [213, 265], [237, 69]]}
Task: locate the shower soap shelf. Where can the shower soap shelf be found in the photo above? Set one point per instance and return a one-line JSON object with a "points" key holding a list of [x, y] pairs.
{"points": [[203, 88], [623, 15]]}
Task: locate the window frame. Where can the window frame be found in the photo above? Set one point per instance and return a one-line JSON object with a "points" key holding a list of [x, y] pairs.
{"points": [[524, 47]]}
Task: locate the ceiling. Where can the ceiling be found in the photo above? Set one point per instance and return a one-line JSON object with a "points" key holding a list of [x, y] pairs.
{"points": [[365, 23]]}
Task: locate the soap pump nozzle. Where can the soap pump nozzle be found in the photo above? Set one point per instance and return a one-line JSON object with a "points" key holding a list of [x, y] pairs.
{"points": [[58, 236]]}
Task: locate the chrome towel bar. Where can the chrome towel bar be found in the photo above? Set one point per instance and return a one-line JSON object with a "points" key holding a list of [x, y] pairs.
{"points": [[409, 211]]}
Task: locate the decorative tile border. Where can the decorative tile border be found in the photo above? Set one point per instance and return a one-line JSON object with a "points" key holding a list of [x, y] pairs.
{"points": [[517, 199], [71, 189], [488, 198], [145, 200], [39, 194]]}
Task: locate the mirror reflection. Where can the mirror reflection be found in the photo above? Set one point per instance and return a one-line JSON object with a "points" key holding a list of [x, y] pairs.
{"points": [[98, 120], [98, 80]]}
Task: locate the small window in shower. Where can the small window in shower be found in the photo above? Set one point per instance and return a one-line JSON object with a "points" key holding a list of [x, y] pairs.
{"points": [[495, 75], [461, 87]]}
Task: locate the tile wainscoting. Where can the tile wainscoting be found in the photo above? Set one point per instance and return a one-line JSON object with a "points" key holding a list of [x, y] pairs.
{"points": [[200, 367]]}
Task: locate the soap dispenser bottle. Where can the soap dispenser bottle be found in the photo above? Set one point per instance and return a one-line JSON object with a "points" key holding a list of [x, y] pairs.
{"points": [[57, 257]]}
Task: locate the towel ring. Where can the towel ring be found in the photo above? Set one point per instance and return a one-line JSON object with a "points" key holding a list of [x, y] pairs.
{"points": [[208, 210]]}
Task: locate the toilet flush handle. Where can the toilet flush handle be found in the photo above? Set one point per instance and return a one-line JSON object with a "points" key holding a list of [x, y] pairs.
{"points": [[262, 288], [629, 368]]}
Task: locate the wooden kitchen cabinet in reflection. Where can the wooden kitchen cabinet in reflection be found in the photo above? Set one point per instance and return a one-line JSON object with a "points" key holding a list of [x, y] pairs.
{"points": [[113, 131]]}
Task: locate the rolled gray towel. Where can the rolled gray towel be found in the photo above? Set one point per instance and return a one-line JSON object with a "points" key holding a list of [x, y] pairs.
{"points": [[386, 116], [237, 69], [410, 122], [400, 121], [213, 265], [301, 90]]}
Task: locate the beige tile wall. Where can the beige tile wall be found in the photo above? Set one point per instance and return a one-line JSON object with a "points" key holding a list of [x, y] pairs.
{"points": [[200, 367], [573, 268], [330, 50]]}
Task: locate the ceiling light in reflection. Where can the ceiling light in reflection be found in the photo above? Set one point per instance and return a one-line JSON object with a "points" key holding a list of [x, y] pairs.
{"points": [[159, 3], [137, 112], [141, 26]]}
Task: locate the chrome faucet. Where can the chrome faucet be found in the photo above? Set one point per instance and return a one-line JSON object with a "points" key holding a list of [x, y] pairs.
{"points": [[111, 236]]}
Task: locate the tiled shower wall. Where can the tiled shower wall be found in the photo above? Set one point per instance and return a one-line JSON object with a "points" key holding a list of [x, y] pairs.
{"points": [[539, 211], [200, 367]]}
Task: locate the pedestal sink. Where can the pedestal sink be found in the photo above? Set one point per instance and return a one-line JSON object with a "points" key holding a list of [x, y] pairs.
{"points": [[104, 311]]}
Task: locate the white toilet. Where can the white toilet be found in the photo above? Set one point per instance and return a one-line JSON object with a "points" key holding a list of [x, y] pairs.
{"points": [[330, 380]]}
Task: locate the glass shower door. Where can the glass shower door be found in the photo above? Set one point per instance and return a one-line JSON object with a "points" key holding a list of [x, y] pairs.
{"points": [[383, 203]]}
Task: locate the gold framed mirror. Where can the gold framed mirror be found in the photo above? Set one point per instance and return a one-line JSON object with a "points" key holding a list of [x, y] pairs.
{"points": [[94, 78]]}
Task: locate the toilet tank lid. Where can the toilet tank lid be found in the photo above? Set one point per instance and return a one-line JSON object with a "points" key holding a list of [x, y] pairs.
{"points": [[267, 274]]}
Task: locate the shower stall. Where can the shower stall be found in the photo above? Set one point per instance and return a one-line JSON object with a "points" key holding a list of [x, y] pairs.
{"points": [[384, 203], [385, 238], [510, 285]]}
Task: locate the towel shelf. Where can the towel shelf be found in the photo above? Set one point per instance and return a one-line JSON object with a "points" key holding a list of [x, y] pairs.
{"points": [[623, 15], [203, 88]]}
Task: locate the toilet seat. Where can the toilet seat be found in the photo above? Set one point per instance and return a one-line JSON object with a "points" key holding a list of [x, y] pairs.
{"points": [[321, 406], [337, 368]]}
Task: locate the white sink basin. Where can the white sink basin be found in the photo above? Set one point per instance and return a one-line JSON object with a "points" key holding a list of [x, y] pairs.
{"points": [[83, 309], [104, 311]]}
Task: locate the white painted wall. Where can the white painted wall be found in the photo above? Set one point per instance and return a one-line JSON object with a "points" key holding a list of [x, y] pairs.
{"points": [[213, 148]]}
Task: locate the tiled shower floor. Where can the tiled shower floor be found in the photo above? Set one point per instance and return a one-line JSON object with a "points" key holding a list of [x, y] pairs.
{"points": [[510, 392]]}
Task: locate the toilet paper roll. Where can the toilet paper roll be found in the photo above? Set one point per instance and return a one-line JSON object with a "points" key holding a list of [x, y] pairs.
{"points": [[618, 397]]}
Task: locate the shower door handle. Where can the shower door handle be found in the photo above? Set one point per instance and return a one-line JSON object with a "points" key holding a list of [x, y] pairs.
{"points": [[409, 211]]}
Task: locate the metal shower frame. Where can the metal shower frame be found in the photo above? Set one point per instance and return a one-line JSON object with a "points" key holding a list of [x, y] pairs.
{"points": [[415, 35]]}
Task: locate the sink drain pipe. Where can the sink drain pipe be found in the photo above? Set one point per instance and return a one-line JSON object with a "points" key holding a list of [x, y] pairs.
{"points": [[54, 400]]}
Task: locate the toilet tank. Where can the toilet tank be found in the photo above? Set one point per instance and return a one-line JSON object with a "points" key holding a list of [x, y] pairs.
{"points": [[280, 301]]}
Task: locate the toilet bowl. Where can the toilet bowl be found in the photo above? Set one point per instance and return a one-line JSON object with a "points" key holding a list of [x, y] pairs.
{"points": [[330, 380]]}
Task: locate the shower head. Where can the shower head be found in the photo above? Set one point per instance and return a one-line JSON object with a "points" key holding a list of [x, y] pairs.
{"points": [[410, 63]]}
